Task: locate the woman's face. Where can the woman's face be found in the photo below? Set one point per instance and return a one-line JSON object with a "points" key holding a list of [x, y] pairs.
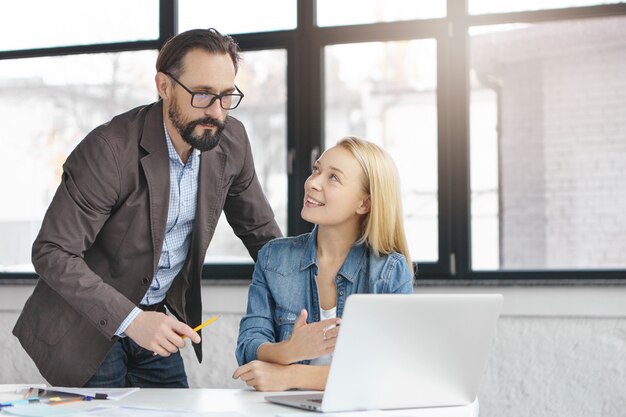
{"points": [[333, 193]]}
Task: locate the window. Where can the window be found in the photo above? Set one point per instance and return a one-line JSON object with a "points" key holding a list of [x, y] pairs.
{"points": [[386, 92], [30, 24], [505, 118], [237, 16], [353, 12], [48, 105], [548, 139], [499, 6], [262, 78]]}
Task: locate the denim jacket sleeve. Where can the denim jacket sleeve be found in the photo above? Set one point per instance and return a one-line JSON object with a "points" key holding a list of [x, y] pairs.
{"points": [[401, 278], [257, 325]]}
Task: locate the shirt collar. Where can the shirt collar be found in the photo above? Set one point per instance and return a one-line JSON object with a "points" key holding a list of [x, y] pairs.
{"points": [[171, 151], [351, 266]]}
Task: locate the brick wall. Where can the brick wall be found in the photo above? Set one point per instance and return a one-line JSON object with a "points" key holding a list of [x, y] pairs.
{"points": [[562, 123]]}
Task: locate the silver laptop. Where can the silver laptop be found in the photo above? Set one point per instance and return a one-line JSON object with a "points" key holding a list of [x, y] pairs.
{"points": [[406, 351]]}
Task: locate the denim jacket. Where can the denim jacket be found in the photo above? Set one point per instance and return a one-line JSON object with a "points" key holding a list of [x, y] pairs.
{"points": [[284, 282]]}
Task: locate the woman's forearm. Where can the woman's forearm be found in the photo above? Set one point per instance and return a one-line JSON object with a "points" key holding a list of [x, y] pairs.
{"points": [[276, 353], [308, 377], [265, 376]]}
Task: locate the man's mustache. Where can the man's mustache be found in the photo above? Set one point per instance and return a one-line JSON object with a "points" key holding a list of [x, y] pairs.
{"points": [[208, 121]]}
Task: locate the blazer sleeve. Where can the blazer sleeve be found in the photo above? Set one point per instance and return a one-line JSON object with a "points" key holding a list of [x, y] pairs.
{"points": [[89, 190], [246, 208]]}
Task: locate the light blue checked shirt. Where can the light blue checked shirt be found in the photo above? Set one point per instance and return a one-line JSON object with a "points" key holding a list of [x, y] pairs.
{"points": [[181, 214]]}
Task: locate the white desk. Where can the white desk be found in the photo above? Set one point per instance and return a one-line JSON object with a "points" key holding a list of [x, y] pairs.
{"points": [[214, 402], [250, 403]]}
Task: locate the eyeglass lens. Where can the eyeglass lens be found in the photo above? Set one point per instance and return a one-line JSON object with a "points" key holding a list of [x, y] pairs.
{"points": [[227, 101]]}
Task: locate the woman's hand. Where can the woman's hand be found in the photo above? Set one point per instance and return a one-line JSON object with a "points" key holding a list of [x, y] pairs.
{"points": [[307, 341], [312, 340], [265, 376]]}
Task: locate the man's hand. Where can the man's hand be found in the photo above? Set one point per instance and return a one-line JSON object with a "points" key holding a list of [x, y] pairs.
{"points": [[160, 333]]}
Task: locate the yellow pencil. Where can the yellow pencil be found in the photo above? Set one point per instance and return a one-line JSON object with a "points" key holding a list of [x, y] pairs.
{"points": [[206, 323]]}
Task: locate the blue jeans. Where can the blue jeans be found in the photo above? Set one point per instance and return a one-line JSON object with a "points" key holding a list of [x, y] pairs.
{"points": [[130, 365]]}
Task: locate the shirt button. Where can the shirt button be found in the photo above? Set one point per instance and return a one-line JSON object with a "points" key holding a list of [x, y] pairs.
{"points": [[340, 292], [103, 322]]}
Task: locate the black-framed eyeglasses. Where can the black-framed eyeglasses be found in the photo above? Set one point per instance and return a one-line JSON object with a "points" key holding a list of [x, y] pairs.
{"points": [[203, 100]]}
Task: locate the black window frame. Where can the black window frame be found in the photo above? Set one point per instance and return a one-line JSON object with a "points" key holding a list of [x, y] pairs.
{"points": [[305, 118]]}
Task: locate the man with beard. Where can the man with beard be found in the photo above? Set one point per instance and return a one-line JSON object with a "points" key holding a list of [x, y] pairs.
{"points": [[125, 236]]}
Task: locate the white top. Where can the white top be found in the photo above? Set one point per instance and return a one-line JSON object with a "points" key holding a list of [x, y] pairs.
{"points": [[325, 315]]}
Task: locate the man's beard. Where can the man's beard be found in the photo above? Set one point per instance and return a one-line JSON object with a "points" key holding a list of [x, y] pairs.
{"points": [[205, 142]]}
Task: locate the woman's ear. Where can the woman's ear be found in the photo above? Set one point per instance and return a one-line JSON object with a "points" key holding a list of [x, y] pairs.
{"points": [[365, 206]]}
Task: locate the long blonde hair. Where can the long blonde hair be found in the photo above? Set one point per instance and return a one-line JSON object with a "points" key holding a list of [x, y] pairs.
{"points": [[383, 227]]}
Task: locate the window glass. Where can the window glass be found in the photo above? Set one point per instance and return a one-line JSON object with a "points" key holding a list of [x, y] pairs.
{"points": [[48, 105], [386, 92], [31, 24], [504, 6], [237, 16], [353, 12], [548, 145], [263, 79]]}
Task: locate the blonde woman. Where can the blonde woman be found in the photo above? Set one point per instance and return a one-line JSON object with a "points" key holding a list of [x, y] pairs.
{"points": [[300, 284]]}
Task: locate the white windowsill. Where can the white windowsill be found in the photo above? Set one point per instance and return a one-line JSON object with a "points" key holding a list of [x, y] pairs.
{"points": [[584, 301]]}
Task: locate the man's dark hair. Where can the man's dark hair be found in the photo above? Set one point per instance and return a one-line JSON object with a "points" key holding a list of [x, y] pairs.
{"points": [[210, 40]]}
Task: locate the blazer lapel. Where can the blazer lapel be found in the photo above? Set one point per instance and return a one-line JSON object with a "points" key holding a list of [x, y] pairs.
{"points": [[210, 189], [155, 164]]}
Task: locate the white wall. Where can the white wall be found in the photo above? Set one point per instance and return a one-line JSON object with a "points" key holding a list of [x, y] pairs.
{"points": [[559, 351]]}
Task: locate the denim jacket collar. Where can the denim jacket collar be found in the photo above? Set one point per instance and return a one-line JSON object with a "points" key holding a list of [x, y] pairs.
{"points": [[284, 283], [350, 268]]}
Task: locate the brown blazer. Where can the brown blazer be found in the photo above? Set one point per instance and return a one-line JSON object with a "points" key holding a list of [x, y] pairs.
{"points": [[101, 238]]}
